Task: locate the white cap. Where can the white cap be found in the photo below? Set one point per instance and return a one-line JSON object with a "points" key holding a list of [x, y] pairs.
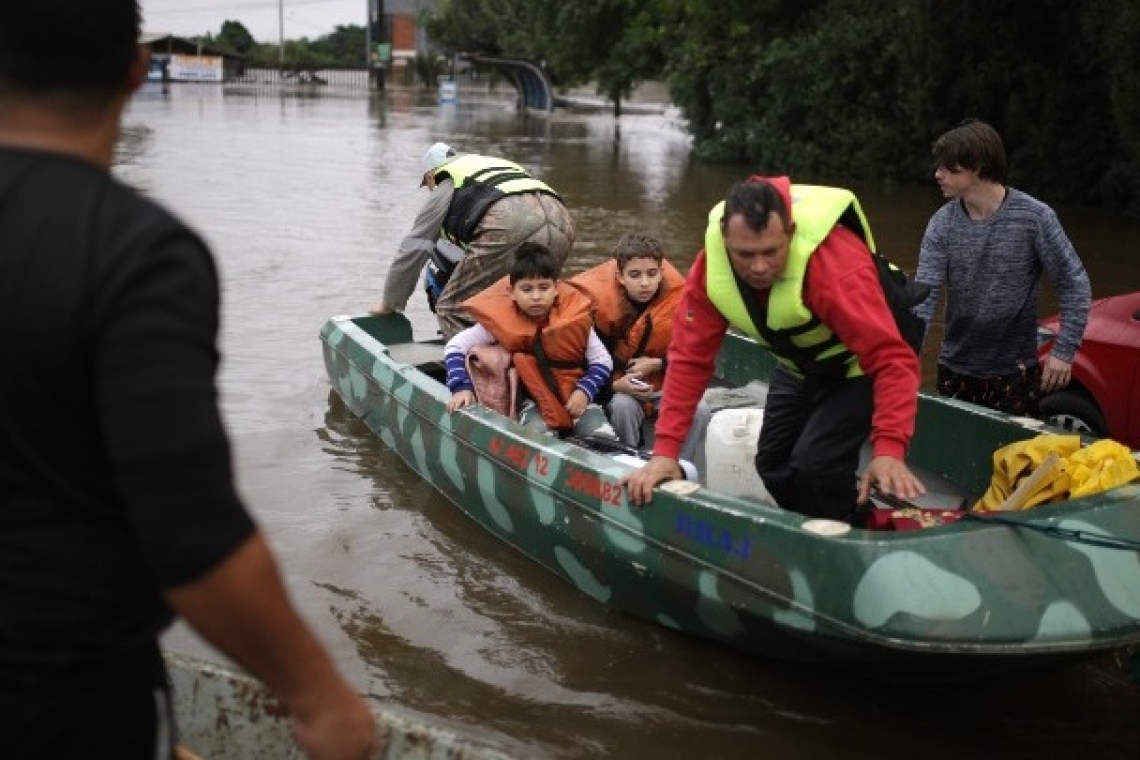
{"points": [[437, 155]]}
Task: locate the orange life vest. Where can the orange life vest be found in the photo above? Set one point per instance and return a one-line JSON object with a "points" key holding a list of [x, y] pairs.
{"points": [[550, 359], [626, 333]]}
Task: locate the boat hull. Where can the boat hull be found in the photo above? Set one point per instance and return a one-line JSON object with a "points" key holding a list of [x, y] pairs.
{"points": [[949, 602]]}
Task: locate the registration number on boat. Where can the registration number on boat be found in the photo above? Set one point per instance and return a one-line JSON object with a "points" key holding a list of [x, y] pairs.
{"points": [[694, 529], [519, 456]]}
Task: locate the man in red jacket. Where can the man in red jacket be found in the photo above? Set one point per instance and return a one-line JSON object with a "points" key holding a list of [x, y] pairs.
{"points": [[790, 266]]}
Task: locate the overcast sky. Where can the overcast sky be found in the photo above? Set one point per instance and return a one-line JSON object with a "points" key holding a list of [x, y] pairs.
{"points": [[302, 18]]}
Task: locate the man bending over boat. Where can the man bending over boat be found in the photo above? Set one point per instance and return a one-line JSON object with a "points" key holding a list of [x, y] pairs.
{"points": [[547, 326], [635, 294], [480, 209], [118, 508], [790, 266]]}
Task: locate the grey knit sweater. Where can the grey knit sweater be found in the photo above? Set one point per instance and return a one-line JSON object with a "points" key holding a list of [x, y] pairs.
{"points": [[991, 269]]}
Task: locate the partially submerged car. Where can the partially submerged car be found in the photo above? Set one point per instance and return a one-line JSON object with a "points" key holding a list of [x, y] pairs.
{"points": [[1103, 398]]}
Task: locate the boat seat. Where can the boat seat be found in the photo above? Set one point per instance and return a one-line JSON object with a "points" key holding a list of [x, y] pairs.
{"points": [[417, 354], [940, 493]]}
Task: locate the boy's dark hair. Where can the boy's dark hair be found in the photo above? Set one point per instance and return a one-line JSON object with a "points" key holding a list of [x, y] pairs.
{"points": [[974, 146], [634, 245], [81, 50], [533, 260], [755, 199]]}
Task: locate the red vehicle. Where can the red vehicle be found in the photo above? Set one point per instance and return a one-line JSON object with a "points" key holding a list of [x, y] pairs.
{"points": [[1103, 398]]}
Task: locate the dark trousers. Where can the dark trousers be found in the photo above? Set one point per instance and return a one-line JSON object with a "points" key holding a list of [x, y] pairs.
{"points": [[119, 709], [1018, 393], [808, 452]]}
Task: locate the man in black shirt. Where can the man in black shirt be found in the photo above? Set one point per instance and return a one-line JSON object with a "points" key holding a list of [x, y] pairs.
{"points": [[118, 509]]}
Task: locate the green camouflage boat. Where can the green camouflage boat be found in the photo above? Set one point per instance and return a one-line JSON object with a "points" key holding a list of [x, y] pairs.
{"points": [[1041, 587]]}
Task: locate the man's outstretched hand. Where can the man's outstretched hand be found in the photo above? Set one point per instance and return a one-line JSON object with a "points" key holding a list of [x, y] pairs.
{"points": [[639, 484], [892, 476]]}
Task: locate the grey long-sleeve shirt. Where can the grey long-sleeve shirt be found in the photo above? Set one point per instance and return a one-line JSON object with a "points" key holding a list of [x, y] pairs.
{"points": [[992, 272], [404, 271]]}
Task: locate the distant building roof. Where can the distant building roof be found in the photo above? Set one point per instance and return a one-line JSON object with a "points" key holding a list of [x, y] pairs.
{"points": [[164, 42]]}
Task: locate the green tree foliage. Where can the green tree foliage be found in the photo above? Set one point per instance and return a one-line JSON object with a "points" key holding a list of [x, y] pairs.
{"points": [[469, 26], [854, 89], [1115, 26], [612, 43], [344, 47], [860, 88], [234, 36]]}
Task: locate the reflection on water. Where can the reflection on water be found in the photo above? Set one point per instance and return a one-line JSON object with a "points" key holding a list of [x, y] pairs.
{"points": [[304, 200]]}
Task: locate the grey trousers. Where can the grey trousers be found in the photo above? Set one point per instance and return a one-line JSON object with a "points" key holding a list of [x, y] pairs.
{"points": [[593, 421], [627, 413]]}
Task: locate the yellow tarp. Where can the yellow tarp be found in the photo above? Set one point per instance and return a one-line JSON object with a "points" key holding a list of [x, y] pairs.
{"points": [[1081, 472]]}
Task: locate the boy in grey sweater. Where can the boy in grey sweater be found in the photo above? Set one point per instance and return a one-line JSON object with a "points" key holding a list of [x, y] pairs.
{"points": [[989, 245]]}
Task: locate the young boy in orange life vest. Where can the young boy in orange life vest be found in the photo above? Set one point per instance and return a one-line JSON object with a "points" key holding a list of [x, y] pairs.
{"points": [[635, 294], [547, 326]]}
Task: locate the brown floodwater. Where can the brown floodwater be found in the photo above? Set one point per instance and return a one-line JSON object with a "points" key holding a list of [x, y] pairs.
{"points": [[304, 200]]}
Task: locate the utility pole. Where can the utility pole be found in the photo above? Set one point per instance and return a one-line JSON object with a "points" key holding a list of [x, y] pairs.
{"points": [[379, 42], [281, 32]]}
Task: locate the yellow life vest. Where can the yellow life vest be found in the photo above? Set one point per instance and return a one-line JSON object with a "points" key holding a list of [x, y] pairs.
{"points": [[480, 181], [796, 336]]}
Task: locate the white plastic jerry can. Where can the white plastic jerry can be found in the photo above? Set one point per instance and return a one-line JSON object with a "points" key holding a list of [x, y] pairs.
{"points": [[730, 454]]}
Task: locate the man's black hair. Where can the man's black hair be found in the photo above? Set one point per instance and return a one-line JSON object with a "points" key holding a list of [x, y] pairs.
{"points": [[67, 47], [755, 199]]}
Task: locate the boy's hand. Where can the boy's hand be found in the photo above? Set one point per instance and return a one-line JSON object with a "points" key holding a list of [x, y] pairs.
{"points": [[633, 385], [643, 366], [460, 399], [577, 403]]}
